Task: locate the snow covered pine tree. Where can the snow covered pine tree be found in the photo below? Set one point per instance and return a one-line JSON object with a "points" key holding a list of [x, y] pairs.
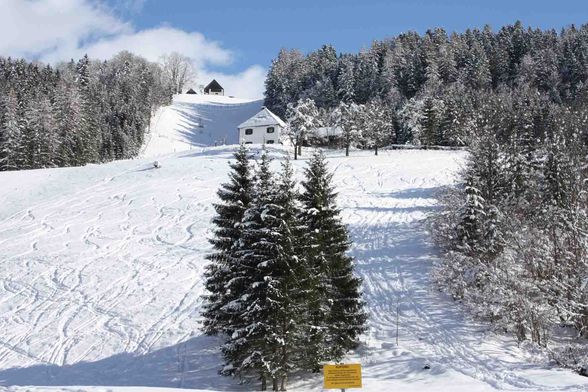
{"points": [[269, 332], [235, 198], [282, 290], [336, 308]]}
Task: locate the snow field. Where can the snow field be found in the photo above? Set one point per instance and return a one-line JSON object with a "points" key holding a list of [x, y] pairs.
{"points": [[102, 268], [195, 121]]}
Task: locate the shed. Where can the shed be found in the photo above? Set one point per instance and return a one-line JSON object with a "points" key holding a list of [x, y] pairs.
{"points": [[214, 88]]}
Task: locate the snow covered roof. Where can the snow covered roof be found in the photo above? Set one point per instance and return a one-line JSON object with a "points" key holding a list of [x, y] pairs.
{"points": [[263, 118], [327, 131]]}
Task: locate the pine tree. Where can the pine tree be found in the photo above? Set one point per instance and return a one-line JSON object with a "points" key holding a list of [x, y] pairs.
{"points": [[430, 126], [235, 198], [336, 308], [252, 350], [346, 79], [470, 228], [11, 155], [449, 125], [280, 278], [350, 123], [284, 81], [477, 68], [90, 130]]}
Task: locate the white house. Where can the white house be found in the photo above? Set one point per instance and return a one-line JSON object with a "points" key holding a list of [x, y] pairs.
{"points": [[264, 127]]}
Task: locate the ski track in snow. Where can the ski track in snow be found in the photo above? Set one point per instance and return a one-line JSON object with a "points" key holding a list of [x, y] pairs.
{"points": [[101, 284]]}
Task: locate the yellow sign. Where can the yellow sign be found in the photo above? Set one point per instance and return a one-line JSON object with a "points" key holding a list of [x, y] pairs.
{"points": [[342, 376]]}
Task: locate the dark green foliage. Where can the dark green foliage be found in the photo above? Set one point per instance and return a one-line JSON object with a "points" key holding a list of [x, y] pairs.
{"points": [[235, 198], [456, 72], [337, 309], [281, 289]]}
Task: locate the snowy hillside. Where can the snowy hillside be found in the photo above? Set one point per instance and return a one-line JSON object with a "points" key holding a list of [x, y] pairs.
{"points": [[194, 121], [102, 275]]}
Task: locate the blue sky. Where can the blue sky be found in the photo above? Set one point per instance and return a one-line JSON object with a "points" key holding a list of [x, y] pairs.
{"points": [[256, 30], [234, 41]]}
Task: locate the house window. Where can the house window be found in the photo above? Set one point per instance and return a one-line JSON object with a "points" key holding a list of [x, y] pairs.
{"points": [[270, 142], [270, 130], [248, 142], [249, 132]]}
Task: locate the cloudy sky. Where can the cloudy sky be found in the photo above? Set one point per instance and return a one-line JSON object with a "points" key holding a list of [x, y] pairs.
{"points": [[235, 40], [57, 30]]}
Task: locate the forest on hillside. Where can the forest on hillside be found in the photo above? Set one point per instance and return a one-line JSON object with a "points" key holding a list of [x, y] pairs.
{"points": [[81, 112], [514, 235], [434, 85]]}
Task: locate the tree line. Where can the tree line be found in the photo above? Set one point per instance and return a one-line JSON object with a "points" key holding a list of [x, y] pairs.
{"points": [[281, 290], [432, 85], [80, 112], [514, 234]]}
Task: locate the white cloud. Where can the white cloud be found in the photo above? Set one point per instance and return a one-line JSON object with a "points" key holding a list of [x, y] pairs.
{"points": [[151, 44], [56, 30], [32, 28], [247, 84]]}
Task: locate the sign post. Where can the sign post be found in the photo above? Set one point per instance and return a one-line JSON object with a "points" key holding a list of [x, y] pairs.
{"points": [[342, 376]]}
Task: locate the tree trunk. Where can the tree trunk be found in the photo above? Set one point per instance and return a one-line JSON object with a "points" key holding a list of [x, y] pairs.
{"points": [[347, 150], [275, 384], [263, 383], [283, 386], [376, 150], [295, 152], [300, 149]]}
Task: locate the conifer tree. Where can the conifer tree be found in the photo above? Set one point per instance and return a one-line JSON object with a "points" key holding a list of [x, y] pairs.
{"points": [[430, 126], [350, 122], [235, 198], [10, 134], [254, 348], [269, 336], [470, 228], [336, 307]]}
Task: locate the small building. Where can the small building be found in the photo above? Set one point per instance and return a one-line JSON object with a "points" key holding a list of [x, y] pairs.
{"points": [[214, 88], [191, 91], [263, 128]]}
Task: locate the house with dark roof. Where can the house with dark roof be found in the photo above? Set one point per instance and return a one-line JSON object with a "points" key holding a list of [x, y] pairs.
{"points": [[263, 128], [214, 88], [191, 91]]}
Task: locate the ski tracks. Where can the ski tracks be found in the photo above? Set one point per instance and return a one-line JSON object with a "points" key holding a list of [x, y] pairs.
{"points": [[117, 267], [106, 270], [385, 206]]}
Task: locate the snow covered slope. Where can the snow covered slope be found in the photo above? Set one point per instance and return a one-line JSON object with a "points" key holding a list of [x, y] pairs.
{"points": [[101, 277], [194, 121]]}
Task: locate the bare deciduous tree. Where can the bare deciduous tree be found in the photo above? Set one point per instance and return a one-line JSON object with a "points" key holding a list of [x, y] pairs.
{"points": [[179, 70]]}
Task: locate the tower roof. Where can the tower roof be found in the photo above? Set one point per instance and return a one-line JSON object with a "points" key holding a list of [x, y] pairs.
{"points": [[214, 85]]}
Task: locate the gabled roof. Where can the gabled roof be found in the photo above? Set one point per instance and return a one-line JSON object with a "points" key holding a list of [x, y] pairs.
{"points": [[191, 91], [263, 118], [214, 85]]}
